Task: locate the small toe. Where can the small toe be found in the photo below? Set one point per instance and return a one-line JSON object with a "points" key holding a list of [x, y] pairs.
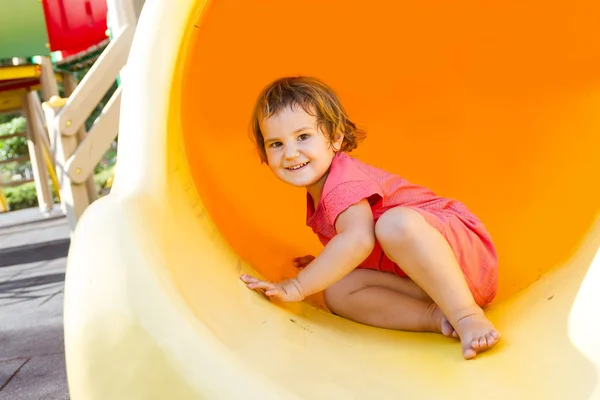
{"points": [[495, 334], [446, 328], [469, 353], [475, 343], [482, 342], [490, 339]]}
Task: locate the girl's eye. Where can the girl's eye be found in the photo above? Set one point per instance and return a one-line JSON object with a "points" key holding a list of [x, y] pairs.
{"points": [[304, 136], [275, 144]]}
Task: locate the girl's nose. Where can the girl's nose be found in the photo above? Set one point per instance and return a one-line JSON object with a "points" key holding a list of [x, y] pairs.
{"points": [[291, 153]]}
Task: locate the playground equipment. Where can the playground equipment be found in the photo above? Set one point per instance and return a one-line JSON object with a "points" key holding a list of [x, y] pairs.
{"points": [[78, 152], [36, 28], [487, 102], [30, 31], [76, 32], [18, 93]]}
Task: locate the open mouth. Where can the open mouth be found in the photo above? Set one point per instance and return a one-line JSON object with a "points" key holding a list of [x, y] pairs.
{"points": [[297, 167]]}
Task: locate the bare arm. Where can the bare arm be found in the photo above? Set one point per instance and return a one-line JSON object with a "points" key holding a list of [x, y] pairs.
{"points": [[353, 243]]}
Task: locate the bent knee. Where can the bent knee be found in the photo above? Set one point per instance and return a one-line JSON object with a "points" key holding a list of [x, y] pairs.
{"points": [[335, 296], [398, 225]]}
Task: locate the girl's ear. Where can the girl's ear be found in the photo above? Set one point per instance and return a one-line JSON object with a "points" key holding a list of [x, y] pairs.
{"points": [[337, 141]]}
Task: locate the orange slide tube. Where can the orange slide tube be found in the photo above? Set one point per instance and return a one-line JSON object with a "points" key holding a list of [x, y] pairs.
{"points": [[495, 104]]}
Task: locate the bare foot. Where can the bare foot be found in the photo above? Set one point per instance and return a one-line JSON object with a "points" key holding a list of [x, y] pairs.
{"points": [[447, 329], [476, 334], [442, 324]]}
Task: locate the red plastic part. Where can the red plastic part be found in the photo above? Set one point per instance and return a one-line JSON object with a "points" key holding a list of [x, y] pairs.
{"points": [[75, 25], [15, 84]]}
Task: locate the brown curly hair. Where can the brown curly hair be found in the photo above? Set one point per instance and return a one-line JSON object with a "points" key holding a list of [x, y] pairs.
{"points": [[315, 98]]}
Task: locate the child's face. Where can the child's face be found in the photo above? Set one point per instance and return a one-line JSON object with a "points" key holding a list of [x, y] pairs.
{"points": [[297, 151]]}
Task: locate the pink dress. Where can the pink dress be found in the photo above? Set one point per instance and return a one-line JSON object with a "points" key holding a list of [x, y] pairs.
{"points": [[351, 180]]}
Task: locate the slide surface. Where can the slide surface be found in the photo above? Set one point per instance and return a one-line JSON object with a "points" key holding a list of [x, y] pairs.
{"points": [[493, 104]]}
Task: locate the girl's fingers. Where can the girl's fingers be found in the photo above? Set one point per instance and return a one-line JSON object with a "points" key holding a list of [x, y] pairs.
{"points": [[247, 278], [254, 283], [260, 285], [265, 288]]}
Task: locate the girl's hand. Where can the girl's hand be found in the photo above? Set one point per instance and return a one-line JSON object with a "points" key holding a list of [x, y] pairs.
{"points": [[301, 262], [287, 291]]}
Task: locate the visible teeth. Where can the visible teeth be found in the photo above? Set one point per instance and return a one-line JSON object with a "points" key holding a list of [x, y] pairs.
{"points": [[298, 166]]}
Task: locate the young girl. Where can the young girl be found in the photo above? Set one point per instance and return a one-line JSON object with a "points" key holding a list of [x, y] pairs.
{"points": [[396, 255]]}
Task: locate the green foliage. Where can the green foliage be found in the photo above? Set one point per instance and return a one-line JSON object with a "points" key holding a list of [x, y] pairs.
{"points": [[15, 146], [102, 177], [14, 125], [23, 196], [9, 169], [4, 118]]}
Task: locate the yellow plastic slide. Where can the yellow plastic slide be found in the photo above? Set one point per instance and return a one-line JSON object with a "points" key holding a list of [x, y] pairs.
{"points": [[496, 104]]}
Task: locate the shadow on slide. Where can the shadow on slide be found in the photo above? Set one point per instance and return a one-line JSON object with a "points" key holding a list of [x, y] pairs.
{"points": [[493, 104]]}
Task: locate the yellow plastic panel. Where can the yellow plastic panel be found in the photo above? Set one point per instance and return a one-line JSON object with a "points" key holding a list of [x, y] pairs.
{"points": [[491, 104], [11, 100], [19, 72]]}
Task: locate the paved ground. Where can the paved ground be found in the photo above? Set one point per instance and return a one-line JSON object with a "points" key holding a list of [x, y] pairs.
{"points": [[32, 270]]}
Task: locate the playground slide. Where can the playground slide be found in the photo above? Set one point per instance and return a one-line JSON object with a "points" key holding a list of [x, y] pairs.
{"points": [[495, 104]]}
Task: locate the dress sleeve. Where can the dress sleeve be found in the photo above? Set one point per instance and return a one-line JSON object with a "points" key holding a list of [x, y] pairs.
{"points": [[345, 194]]}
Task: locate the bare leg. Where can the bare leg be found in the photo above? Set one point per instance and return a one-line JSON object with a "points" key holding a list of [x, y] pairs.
{"points": [[403, 285], [368, 277], [425, 256], [386, 301]]}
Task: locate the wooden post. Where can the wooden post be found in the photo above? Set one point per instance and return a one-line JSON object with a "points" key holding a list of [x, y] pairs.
{"points": [[38, 165], [69, 85], [48, 79], [38, 123], [36, 151], [74, 197]]}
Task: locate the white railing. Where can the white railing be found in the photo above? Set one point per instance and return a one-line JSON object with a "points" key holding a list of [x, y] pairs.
{"points": [[75, 153], [95, 84]]}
